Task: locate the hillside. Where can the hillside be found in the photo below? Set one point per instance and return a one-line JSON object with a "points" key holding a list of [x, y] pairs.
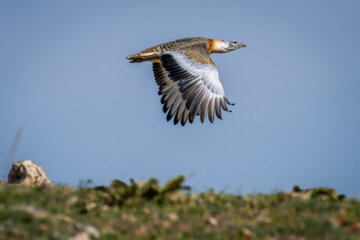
{"points": [[147, 211]]}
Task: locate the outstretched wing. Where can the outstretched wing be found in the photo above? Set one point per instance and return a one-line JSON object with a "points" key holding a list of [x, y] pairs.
{"points": [[189, 87]]}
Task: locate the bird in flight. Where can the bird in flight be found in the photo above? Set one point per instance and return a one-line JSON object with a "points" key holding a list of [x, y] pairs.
{"points": [[187, 77]]}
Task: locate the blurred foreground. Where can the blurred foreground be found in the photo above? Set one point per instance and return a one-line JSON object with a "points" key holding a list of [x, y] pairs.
{"points": [[147, 211]]}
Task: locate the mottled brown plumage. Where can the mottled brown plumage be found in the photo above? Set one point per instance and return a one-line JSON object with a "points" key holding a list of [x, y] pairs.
{"points": [[197, 49]]}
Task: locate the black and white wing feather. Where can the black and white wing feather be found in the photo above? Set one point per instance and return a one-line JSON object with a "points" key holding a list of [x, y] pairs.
{"points": [[188, 88]]}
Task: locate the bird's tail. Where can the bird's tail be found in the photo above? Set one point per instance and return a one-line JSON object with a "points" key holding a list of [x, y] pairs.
{"points": [[141, 57]]}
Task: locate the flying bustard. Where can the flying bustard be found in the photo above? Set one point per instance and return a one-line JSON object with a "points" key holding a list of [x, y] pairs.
{"points": [[187, 77]]}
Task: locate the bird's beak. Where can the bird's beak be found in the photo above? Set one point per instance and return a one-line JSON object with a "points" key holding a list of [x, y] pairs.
{"points": [[242, 45]]}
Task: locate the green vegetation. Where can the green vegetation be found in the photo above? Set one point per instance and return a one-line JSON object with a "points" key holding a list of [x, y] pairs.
{"points": [[147, 211]]}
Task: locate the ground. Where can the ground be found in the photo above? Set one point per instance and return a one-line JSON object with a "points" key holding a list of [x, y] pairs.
{"points": [[147, 211]]}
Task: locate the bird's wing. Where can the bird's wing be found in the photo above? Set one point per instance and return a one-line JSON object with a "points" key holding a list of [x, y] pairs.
{"points": [[189, 87]]}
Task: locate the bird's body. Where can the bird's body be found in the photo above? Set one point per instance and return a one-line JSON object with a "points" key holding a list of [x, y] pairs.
{"points": [[187, 77]]}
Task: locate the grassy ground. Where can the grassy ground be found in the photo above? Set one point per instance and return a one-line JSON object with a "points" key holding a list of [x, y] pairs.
{"points": [[147, 211]]}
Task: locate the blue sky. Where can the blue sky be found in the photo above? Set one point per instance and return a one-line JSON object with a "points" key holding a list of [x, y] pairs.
{"points": [[87, 113]]}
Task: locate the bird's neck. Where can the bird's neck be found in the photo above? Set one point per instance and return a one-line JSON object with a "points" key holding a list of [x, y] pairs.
{"points": [[216, 46]]}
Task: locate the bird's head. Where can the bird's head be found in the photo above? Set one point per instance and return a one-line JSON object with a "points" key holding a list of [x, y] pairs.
{"points": [[226, 46], [232, 45]]}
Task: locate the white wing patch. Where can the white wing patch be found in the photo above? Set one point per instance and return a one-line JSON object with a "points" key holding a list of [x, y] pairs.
{"points": [[189, 88], [208, 73]]}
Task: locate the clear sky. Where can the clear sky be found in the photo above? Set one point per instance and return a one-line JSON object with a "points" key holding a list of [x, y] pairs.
{"points": [[87, 113]]}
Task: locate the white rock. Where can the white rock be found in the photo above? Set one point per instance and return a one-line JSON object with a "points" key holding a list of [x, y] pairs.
{"points": [[213, 221], [28, 173]]}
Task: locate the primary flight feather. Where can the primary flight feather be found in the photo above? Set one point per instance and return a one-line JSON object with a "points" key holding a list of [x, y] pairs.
{"points": [[187, 77]]}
